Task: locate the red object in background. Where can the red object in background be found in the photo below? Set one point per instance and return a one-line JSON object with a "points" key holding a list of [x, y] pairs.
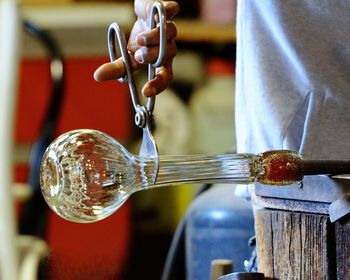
{"points": [[78, 251], [87, 104], [89, 251]]}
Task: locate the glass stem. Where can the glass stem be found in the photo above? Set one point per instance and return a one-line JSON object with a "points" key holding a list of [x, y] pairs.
{"points": [[221, 168]]}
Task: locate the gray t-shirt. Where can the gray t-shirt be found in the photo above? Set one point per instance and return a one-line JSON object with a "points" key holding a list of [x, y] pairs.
{"points": [[293, 77]]}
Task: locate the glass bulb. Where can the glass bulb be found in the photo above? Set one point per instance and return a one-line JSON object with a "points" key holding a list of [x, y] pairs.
{"points": [[87, 175]]}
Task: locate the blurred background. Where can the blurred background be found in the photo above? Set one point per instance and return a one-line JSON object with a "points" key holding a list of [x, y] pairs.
{"points": [[60, 44]]}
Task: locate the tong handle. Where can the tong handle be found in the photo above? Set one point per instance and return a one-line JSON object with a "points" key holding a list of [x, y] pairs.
{"points": [[115, 32]]}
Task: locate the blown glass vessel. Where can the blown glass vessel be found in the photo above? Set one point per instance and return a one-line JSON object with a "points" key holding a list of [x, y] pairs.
{"points": [[87, 175]]}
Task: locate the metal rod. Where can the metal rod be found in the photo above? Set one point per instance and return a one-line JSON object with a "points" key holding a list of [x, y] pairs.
{"points": [[9, 36], [330, 167]]}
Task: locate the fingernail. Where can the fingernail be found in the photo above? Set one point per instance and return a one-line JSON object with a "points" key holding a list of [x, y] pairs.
{"points": [[149, 91], [141, 40], [97, 75], [139, 56]]}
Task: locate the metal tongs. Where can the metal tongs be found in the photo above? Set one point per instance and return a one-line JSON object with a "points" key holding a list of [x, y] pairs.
{"points": [[143, 114]]}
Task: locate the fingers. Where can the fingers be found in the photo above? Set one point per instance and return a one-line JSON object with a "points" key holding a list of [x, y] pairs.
{"points": [[150, 54], [143, 8], [143, 48], [114, 70], [149, 38], [110, 71], [161, 81], [171, 9]]}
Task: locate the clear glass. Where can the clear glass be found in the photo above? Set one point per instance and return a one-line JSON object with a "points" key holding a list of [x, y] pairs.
{"points": [[87, 175]]}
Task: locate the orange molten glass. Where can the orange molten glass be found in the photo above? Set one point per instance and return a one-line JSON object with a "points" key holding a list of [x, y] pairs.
{"points": [[281, 167]]}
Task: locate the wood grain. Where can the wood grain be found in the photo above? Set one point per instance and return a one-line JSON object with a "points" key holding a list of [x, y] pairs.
{"points": [[294, 245], [342, 229]]}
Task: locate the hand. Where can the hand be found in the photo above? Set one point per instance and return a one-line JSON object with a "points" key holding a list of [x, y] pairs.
{"points": [[143, 48]]}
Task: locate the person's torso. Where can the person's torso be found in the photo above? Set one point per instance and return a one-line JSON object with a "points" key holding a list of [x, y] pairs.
{"points": [[293, 77]]}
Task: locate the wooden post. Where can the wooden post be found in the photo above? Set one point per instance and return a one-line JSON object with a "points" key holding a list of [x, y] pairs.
{"points": [[342, 239], [300, 246]]}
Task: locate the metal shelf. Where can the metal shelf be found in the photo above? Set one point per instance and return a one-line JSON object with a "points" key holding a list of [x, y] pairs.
{"points": [[200, 31], [81, 28], [80, 15]]}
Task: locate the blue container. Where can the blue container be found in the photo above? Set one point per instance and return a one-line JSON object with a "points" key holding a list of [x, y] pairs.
{"points": [[219, 226], [243, 276]]}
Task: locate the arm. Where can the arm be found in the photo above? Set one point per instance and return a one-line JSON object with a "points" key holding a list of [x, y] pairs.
{"points": [[143, 48]]}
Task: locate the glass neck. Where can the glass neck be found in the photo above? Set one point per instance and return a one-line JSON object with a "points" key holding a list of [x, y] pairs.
{"points": [[221, 168]]}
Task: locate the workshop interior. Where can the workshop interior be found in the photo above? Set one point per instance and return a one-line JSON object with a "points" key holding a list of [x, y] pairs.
{"points": [[183, 217]]}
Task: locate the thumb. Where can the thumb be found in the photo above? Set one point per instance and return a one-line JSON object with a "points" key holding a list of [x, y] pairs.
{"points": [[110, 71]]}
